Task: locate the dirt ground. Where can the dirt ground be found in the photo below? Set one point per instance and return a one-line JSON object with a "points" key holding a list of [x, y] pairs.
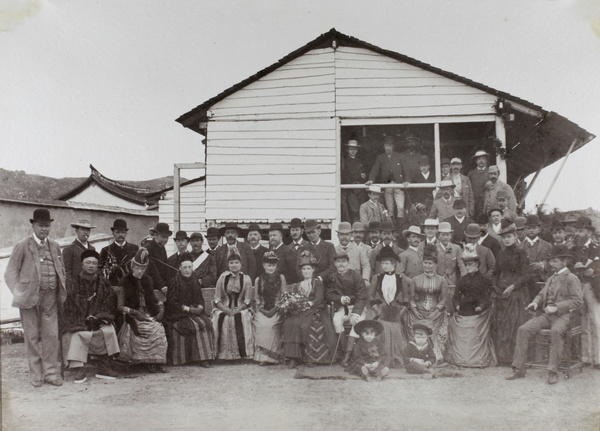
{"points": [[246, 396]]}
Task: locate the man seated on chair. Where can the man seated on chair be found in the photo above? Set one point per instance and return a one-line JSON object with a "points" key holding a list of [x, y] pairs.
{"points": [[348, 292], [561, 295]]}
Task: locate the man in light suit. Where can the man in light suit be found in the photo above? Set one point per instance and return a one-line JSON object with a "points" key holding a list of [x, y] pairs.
{"points": [[322, 250], [72, 253], [372, 210], [493, 187], [463, 188], [36, 277], [231, 231]]}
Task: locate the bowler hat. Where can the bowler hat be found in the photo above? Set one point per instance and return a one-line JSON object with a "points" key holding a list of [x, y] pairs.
{"points": [[231, 226], [306, 258], [413, 229], [296, 222], [195, 235], [533, 220], [89, 253], [41, 215], [277, 226], [386, 253], [387, 226], [411, 139], [520, 223], [341, 255], [502, 194], [493, 168], [445, 227], [480, 153], [352, 143], [389, 139], [506, 227], [252, 228], [368, 324], [310, 225], [181, 234], [459, 204], [473, 230], [445, 161], [83, 222], [163, 229], [423, 160], [421, 327], [270, 257], [446, 183], [212, 232], [584, 223], [344, 227], [358, 227], [559, 251], [119, 224], [374, 226]]}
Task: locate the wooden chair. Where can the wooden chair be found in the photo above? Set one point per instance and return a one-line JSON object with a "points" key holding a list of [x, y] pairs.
{"points": [[539, 347]]}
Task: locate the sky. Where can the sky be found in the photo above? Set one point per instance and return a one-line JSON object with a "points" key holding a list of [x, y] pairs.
{"points": [[101, 81]]}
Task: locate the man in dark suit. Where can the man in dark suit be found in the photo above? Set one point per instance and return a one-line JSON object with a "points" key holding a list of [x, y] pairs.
{"points": [[296, 247], [204, 266], [158, 269], [486, 239], [35, 275], [213, 237], [231, 231], [181, 242], [114, 258], [72, 253], [353, 172], [253, 236], [286, 264], [459, 222], [391, 168], [479, 177], [423, 196], [323, 251]]}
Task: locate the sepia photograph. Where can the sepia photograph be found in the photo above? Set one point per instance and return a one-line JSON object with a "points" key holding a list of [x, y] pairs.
{"points": [[276, 215]]}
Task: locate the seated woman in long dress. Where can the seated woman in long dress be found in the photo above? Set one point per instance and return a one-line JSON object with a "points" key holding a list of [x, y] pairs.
{"points": [[469, 328], [231, 315], [142, 337], [308, 334], [87, 320], [268, 319], [428, 305], [189, 330], [392, 295]]}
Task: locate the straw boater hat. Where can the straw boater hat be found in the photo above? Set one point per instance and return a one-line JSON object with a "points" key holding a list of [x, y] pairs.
{"points": [[520, 223], [480, 153], [358, 227], [431, 222], [446, 183], [507, 227], [181, 234], [368, 324], [352, 143], [473, 230], [141, 258], [119, 224], [413, 229], [270, 257], [386, 253], [89, 253], [83, 222], [445, 227], [456, 160], [559, 251], [306, 258], [41, 215], [421, 327], [233, 226], [374, 189], [344, 227]]}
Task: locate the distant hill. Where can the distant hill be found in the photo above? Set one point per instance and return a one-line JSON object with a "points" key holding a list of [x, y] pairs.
{"points": [[38, 188]]}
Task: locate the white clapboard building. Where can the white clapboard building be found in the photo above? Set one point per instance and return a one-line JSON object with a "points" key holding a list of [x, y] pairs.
{"points": [[274, 142]]}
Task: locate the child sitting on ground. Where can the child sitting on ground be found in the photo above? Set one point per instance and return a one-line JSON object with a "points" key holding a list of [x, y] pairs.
{"points": [[370, 360], [418, 355]]}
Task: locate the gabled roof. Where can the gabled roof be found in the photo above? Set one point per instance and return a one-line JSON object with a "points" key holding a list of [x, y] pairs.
{"points": [[136, 195], [156, 195]]}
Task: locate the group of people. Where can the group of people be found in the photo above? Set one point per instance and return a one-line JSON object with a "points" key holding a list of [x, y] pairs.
{"points": [[467, 196], [456, 294]]}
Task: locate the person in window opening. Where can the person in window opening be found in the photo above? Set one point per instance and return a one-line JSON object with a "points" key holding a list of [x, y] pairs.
{"points": [[353, 172], [479, 176]]}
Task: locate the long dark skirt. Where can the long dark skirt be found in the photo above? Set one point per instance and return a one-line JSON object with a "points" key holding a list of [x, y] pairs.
{"points": [[309, 336], [507, 315], [190, 339]]}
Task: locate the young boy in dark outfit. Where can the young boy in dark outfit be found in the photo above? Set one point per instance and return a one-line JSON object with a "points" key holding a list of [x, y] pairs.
{"points": [[418, 355], [370, 360]]}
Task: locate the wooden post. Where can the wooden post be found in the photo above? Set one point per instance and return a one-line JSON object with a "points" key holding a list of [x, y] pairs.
{"points": [[176, 199], [558, 173], [338, 178], [501, 135], [530, 186], [438, 152]]}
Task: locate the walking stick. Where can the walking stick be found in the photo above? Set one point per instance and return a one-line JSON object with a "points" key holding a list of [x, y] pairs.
{"points": [[336, 348]]}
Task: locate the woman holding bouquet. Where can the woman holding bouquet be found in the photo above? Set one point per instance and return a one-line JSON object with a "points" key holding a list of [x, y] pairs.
{"points": [[308, 335], [268, 321]]}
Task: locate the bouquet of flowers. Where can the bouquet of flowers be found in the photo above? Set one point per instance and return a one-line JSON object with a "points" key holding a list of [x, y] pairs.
{"points": [[291, 303]]}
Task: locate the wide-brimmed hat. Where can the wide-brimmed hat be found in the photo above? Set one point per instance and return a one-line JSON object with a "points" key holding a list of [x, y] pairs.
{"points": [[584, 222], [387, 226], [368, 324], [181, 234], [41, 215], [232, 226], [447, 183], [455, 160], [141, 258], [196, 235], [119, 224], [520, 223], [374, 189], [431, 222], [358, 227], [559, 251], [387, 253], [374, 226], [506, 227], [459, 204], [311, 225], [306, 258], [413, 229], [212, 232], [163, 229], [344, 227], [473, 230], [445, 227], [341, 255], [89, 253], [480, 153], [422, 327], [253, 228], [277, 226], [84, 223], [296, 222], [533, 220], [270, 257], [352, 143]]}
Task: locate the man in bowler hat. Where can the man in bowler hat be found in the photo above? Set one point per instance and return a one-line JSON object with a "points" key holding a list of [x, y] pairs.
{"points": [[115, 257], [35, 275], [158, 269], [72, 253], [232, 231]]}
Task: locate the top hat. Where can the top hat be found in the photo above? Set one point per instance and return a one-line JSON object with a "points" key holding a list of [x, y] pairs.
{"points": [[270, 257], [387, 253], [84, 223], [344, 227], [41, 215], [421, 327], [195, 235], [455, 160], [306, 258], [459, 204], [481, 153], [311, 225], [141, 258], [413, 229], [374, 226], [506, 227], [446, 183], [445, 227], [119, 224], [374, 189], [473, 230], [89, 253], [253, 227], [387, 226], [533, 220], [358, 227], [276, 226], [520, 223], [296, 222], [212, 232], [368, 324], [181, 234], [163, 229], [559, 251], [352, 143], [584, 223], [231, 226]]}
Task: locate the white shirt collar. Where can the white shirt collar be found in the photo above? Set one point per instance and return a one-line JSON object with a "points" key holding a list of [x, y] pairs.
{"points": [[120, 245], [276, 248], [37, 240], [426, 176], [413, 248], [86, 245], [254, 248], [562, 270], [318, 242], [532, 241], [588, 242], [460, 219], [480, 240]]}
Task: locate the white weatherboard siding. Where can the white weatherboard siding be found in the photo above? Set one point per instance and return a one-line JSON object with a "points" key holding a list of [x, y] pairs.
{"points": [[96, 195]]}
